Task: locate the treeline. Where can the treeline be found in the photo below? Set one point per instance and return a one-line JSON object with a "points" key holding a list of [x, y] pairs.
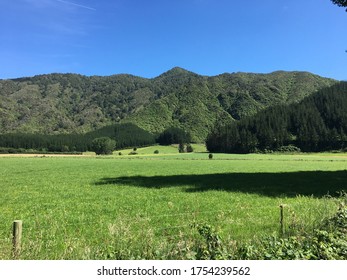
{"points": [[318, 123], [174, 135], [125, 135], [20, 142]]}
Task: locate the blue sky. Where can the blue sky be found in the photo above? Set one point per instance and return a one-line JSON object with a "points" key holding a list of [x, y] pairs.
{"points": [[148, 37]]}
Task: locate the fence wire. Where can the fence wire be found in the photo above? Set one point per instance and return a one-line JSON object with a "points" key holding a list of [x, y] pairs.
{"points": [[137, 223], [141, 226], [138, 219]]}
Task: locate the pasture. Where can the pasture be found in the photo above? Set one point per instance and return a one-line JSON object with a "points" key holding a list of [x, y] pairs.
{"points": [[147, 206]]}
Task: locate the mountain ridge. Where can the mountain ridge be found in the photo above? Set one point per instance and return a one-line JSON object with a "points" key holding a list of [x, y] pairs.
{"points": [[174, 69], [73, 103]]}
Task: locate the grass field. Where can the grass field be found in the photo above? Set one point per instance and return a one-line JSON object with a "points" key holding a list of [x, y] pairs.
{"points": [[146, 205]]}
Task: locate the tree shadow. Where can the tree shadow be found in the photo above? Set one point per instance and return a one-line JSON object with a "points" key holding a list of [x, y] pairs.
{"points": [[307, 183]]}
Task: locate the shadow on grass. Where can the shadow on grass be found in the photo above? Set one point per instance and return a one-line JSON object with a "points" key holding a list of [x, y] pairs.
{"points": [[315, 183]]}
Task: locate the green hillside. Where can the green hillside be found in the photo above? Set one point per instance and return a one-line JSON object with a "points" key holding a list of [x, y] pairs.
{"points": [[71, 103], [317, 123]]}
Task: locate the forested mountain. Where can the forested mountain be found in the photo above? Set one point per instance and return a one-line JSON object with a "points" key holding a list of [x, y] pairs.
{"points": [[71, 103], [317, 123]]}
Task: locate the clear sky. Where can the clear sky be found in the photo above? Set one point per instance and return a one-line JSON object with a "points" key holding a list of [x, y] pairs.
{"points": [[148, 37]]}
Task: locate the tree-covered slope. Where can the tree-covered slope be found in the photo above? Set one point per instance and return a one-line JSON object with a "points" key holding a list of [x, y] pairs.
{"points": [[196, 103], [65, 103], [243, 94], [317, 123], [71, 103], [186, 102]]}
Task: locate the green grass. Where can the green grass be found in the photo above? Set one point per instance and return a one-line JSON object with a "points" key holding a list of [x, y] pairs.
{"points": [[163, 150], [144, 206]]}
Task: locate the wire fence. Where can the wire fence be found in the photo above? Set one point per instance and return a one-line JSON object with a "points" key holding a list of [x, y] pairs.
{"points": [[142, 219], [168, 226], [137, 223], [145, 218]]}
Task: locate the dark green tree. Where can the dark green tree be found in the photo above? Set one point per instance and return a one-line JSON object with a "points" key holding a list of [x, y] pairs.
{"points": [[181, 148], [189, 148], [173, 135], [103, 145], [340, 3]]}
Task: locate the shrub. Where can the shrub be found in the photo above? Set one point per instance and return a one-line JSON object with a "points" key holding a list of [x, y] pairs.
{"points": [[103, 145], [289, 149], [210, 156], [325, 243], [156, 152], [3, 150], [189, 148], [181, 148], [210, 245]]}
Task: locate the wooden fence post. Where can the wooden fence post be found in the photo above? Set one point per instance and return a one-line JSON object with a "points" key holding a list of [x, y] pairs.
{"points": [[282, 219], [17, 237]]}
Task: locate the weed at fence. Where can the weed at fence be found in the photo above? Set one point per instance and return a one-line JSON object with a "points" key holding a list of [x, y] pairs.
{"points": [[196, 239], [328, 242]]}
